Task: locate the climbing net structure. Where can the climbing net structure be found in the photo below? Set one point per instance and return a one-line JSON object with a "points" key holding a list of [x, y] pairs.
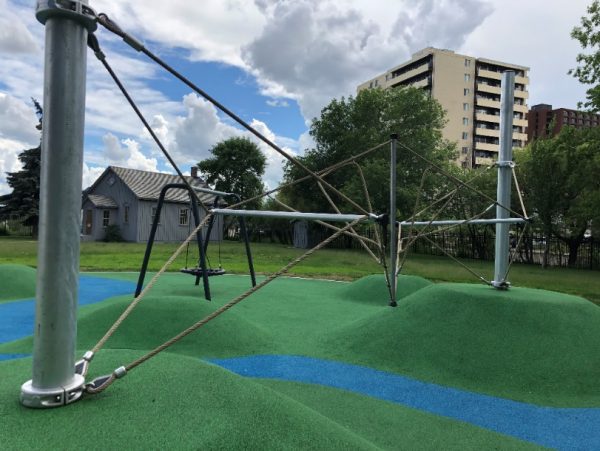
{"points": [[390, 255]]}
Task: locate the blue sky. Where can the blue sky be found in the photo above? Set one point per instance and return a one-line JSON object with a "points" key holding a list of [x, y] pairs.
{"points": [[276, 63]]}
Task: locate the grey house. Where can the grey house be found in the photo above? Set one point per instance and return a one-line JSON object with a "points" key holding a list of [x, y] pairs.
{"points": [[128, 198]]}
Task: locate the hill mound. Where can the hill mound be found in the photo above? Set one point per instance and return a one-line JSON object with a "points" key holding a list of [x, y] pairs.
{"points": [[173, 402], [18, 282], [519, 344], [373, 289]]}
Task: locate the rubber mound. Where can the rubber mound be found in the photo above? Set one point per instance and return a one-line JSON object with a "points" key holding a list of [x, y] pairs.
{"points": [[209, 408], [17, 282], [373, 289], [522, 344]]}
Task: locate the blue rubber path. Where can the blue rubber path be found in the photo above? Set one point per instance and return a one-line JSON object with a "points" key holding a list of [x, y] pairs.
{"points": [[560, 428], [17, 318]]}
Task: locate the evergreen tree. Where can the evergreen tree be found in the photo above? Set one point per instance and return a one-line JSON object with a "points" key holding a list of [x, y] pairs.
{"points": [[23, 202]]}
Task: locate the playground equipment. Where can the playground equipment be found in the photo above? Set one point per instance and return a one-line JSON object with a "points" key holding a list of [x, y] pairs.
{"points": [[57, 379]]}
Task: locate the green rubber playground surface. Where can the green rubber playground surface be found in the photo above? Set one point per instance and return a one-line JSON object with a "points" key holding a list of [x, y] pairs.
{"points": [[534, 347]]}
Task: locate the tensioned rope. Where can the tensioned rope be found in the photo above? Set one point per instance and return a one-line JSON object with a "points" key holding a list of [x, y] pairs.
{"points": [[107, 23], [103, 382]]}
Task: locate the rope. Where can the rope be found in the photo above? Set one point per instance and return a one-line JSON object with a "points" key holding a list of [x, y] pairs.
{"points": [[104, 20], [147, 288], [107, 381], [95, 46], [337, 210], [519, 193], [368, 200], [513, 253], [459, 181]]}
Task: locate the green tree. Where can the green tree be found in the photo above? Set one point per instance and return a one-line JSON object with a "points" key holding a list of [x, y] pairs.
{"points": [[351, 125], [236, 166], [23, 202], [562, 184], [588, 68]]}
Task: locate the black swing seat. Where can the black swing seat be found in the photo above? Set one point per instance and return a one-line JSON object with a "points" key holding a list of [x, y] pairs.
{"points": [[199, 272]]}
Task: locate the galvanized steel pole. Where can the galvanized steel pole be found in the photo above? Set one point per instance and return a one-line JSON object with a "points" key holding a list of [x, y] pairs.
{"points": [[54, 381], [505, 166], [393, 235]]}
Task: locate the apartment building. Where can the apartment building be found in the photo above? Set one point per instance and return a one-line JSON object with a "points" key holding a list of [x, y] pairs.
{"points": [[543, 121], [468, 89]]}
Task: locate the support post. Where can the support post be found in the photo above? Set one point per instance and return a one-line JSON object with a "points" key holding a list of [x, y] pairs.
{"points": [[393, 236], [54, 382], [505, 166]]}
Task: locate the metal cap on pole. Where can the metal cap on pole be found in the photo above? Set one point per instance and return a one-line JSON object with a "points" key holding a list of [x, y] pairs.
{"points": [[55, 382], [505, 165]]}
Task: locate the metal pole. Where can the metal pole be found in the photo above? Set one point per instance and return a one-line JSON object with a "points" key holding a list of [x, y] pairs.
{"points": [[54, 381], [332, 217], [504, 180], [393, 236]]}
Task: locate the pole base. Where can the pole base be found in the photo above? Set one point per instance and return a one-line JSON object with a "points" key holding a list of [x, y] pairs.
{"points": [[502, 285], [393, 304], [46, 398]]}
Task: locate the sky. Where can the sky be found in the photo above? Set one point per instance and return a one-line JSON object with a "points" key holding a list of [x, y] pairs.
{"points": [[275, 63]]}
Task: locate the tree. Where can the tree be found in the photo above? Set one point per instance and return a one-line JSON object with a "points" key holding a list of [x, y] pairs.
{"points": [[562, 184], [23, 202], [349, 126], [588, 69], [237, 166]]}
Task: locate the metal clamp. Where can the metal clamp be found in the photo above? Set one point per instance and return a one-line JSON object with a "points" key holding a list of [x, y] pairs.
{"points": [[505, 164], [71, 9], [42, 398]]}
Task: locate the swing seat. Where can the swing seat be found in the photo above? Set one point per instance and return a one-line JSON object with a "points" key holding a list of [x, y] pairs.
{"points": [[199, 272]]}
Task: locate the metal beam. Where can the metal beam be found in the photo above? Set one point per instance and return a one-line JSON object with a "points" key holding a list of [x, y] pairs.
{"points": [[332, 217], [463, 221]]}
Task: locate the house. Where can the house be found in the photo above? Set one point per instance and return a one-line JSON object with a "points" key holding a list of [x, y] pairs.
{"points": [[128, 198]]}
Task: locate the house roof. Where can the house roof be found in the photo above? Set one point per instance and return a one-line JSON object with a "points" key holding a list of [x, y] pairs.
{"points": [[147, 185], [98, 200]]}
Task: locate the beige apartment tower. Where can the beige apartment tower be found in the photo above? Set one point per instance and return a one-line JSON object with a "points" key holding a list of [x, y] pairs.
{"points": [[468, 89]]}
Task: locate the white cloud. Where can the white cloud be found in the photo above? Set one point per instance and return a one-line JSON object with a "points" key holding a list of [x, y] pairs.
{"points": [[126, 153], [15, 38], [90, 175], [278, 103]]}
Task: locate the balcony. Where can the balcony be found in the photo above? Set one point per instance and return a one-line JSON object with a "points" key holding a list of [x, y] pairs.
{"points": [[487, 117], [520, 108], [487, 132], [488, 88], [520, 122], [422, 83], [481, 101], [489, 74], [410, 74], [522, 80], [487, 146], [521, 94]]}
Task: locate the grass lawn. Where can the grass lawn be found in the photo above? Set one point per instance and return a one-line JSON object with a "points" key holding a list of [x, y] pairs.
{"points": [[328, 263]]}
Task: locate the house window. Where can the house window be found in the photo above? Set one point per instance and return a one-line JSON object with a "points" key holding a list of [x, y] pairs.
{"points": [[105, 218], [467, 77], [467, 91], [126, 214], [154, 215], [467, 62], [465, 121], [465, 135], [465, 106], [183, 216]]}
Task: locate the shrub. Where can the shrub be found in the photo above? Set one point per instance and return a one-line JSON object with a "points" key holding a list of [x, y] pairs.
{"points": [[113, 234]]}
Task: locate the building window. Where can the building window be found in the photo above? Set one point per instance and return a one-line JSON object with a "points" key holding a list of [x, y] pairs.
{"points": [[183, 216], [465, 135], [467, 62], [154, 215], [465, 121], [465, 150], [467, 77], [465, 106], [126, 214], [467, 91], [105, 218]]}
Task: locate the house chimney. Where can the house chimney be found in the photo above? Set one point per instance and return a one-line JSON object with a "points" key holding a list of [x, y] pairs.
{"points": [[194, 172]]}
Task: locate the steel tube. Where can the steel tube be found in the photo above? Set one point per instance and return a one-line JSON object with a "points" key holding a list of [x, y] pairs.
{"points": [[392, 225], [54, 381], [295, 215], [464, 221], [504, 180]]}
